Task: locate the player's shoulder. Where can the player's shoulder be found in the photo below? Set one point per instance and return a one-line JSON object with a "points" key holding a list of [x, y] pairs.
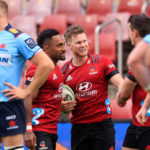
{"points": [[15, 32], [97, 58], [66, 67]]}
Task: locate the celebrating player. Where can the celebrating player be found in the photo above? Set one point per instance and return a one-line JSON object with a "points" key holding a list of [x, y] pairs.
{"points": [[88, 76], [46, 102]]}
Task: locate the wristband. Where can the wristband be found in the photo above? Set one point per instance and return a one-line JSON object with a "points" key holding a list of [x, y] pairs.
{"points": [[147, 88], [29, 127]]}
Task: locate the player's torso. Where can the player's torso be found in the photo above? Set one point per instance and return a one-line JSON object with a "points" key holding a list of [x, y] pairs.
{"points": [[90, 86], [46, 107], [11, 61]]}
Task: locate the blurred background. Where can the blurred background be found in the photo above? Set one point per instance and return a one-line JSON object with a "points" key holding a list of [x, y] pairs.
{"points": [[106, 24]]}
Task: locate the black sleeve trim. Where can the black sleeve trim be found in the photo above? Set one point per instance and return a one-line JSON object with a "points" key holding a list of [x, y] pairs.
{"points": [[27, 82], [129, 76], [112, 74]]}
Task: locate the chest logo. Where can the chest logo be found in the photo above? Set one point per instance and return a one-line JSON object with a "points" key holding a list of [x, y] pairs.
{"points": [[5, 60], [92, 70], [60, 87], [54, 77], [84, 86], [69, 78]]}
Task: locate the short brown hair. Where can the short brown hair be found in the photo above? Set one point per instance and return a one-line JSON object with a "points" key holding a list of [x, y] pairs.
{"points": [[73, 30], [4, 8], [141, 23]]}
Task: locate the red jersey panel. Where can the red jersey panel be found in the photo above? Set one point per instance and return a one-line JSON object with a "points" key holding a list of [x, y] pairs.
{"points": [[138, 97], [46, 106], [90, 85]]}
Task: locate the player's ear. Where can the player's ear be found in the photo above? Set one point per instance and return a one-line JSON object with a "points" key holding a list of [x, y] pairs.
{"points": [[45, 48], [136, 33]]}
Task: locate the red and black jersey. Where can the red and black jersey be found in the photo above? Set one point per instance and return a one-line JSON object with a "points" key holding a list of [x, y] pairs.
{"points": [[138, 97], [90, 85], [46, 106]]}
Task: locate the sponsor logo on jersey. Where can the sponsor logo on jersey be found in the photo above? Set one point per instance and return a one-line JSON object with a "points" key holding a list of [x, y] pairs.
{"points": [[92, 70], [84, 90], [13, 30], [30, 42], [84, 86], [60, 87], [11, 117], [69, 78], [5, 60], [58, 96], [54, 77]]}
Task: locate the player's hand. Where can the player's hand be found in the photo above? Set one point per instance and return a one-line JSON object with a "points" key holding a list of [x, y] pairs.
{"points": [[14, 92], [141, 116], [68, 106], [30, 140], [120, 102]]}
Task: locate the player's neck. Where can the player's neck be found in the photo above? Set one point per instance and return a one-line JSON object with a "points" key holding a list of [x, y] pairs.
{"points": [[78, 61], [3, 24]]}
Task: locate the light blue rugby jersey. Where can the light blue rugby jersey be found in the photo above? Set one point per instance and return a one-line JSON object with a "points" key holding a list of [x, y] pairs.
{"points": [[15, 48], [147, 38]]}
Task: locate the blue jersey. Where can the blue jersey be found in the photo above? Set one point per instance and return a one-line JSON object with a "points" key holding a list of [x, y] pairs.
{"points": [[147, 39], [15, 48]]}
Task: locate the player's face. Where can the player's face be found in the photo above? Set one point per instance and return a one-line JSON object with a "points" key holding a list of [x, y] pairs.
{"points": [[79, 45], [131, 34], [57, 48]]}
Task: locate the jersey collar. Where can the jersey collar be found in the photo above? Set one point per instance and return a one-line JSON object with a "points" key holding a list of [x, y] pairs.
{"points": [[8, 27]]}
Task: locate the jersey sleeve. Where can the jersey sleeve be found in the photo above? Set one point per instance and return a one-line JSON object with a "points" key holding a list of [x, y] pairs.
{"points": [[30, 74], [147, 39], [109, 68], [27, 46], [130, 76]]}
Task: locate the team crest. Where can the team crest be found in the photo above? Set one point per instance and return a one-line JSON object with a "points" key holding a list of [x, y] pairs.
{"points": [[92, 70]]}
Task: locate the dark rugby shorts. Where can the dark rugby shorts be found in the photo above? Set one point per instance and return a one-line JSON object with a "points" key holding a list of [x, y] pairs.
{"points": [[95, 136], [46, 141], [12, 118], [137, 137]]}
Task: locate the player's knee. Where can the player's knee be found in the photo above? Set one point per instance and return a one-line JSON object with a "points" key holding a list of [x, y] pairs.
{"points": [[14, 148]]}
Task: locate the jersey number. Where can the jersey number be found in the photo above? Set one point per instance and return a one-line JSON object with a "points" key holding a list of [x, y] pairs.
{"points": [[37, 112]]}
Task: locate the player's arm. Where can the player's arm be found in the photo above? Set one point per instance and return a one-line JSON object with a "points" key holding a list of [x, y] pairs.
{"points": [[29, 137], [117, 80], [44, 67], [125, 91], [136, 63], [141, 115]]}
